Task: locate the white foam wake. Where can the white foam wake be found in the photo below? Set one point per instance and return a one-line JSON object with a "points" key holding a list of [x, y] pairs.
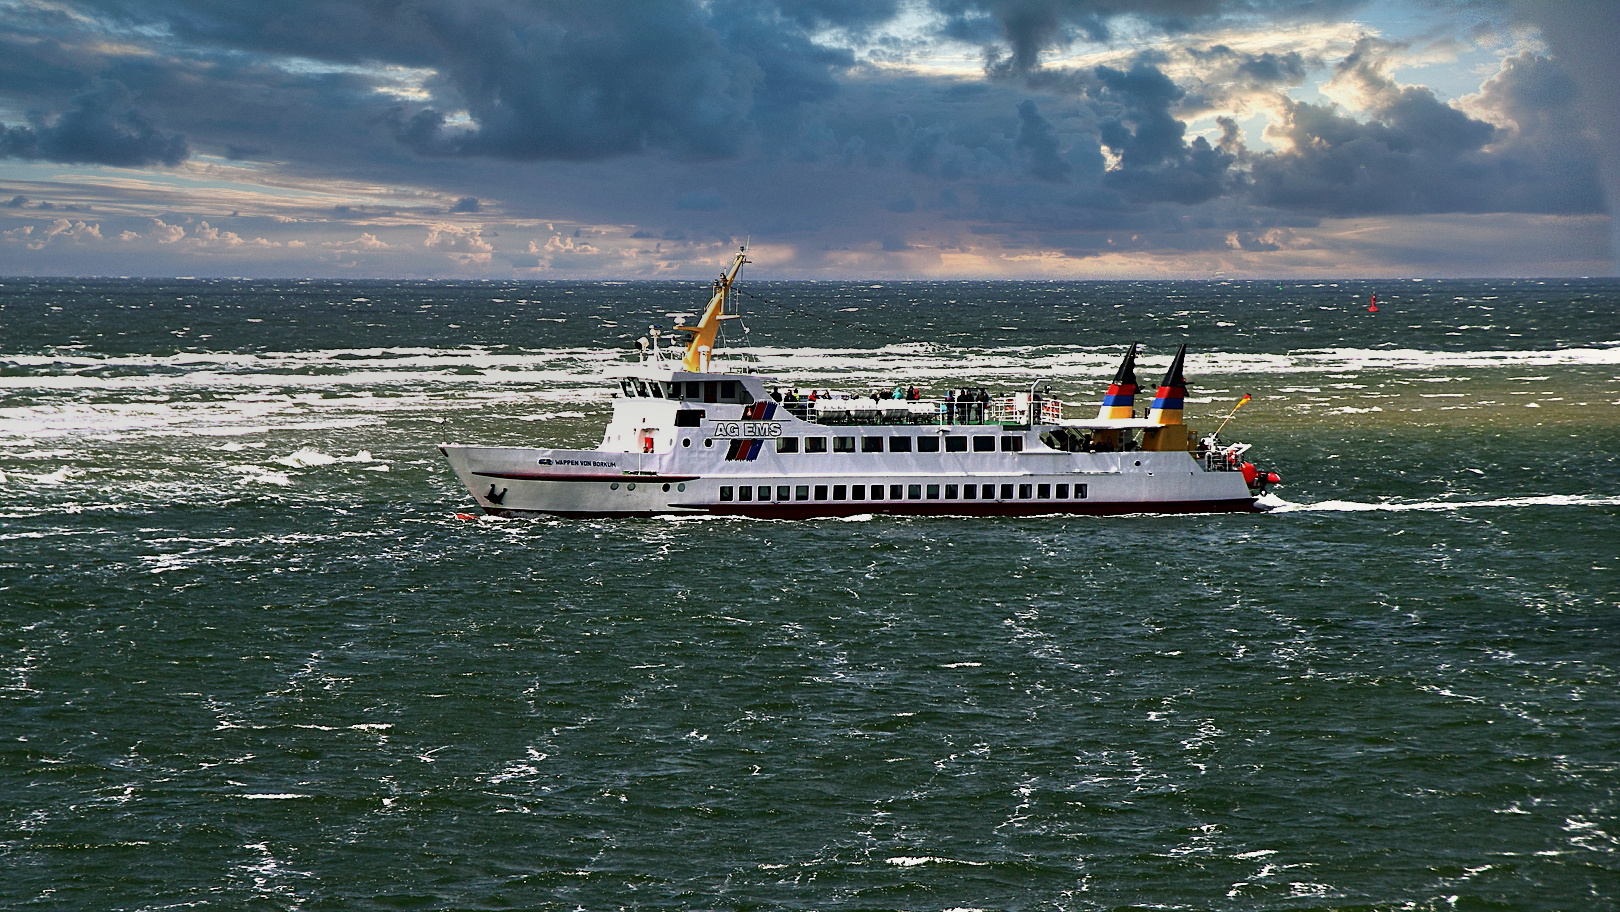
{"points": [[1274, 504]]}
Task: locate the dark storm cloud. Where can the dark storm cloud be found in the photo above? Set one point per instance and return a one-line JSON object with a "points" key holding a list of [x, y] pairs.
{"points": [[103, 127], [1030, 27], [1037, 138], [1417, 154]]}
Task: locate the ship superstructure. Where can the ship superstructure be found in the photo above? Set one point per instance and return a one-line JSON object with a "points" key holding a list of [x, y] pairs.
{"points": [[689, 436]]}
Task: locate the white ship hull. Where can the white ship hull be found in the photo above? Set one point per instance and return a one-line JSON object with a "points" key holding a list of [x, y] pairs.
{"points": [[589, 483]]}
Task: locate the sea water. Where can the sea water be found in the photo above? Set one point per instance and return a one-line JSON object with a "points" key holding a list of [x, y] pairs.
{"points": [[250, 658]]}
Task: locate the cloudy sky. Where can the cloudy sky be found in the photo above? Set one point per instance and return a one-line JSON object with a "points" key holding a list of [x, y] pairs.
{"points": [[845, 138]]}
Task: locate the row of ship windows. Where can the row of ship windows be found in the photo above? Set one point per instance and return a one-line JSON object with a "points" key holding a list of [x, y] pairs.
{"points": [[982, 443], [695, 390], [784, 493]]}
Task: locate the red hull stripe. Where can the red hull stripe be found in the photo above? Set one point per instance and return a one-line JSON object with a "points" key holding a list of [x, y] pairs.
{"points": [[906, 508]]}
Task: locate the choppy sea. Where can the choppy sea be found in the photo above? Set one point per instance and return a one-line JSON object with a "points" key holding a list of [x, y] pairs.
{"points": [[249, 658]]}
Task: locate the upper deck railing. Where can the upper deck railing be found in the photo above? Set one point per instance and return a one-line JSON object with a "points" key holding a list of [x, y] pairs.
{"points": [[843, 411]]}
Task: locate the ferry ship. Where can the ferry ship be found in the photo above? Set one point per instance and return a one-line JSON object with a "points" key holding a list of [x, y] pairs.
{"points": [[690, 435]]}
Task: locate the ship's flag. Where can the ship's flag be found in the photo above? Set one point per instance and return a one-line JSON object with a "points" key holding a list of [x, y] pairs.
{"points": [[1172, 391], [1121, 396], [1242, 402]]}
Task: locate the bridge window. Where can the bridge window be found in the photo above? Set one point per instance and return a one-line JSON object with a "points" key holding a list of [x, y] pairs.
{"points": [[728, 391]]}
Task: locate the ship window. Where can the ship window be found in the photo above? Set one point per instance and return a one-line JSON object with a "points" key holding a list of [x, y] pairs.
{"points": [[746, 492], [689, 417], [970, 492], [956, 444], [843, 444], [894, 492], [1012, 444], [821, 492], [1062, 492], [933, 492], [1079, 492], [725, 492], [857, 492], [801, 492], [928, 444], [728, 391], [1024, 491], [950, 492], [1044, 492], [1006, 492], [627, 387], [657, 389], [711, 391], [764, 492], [871, 444], [984, 444], [815, 444], [840, 492], [781, 492], [899, 444], [914, 492], [787, 444]]}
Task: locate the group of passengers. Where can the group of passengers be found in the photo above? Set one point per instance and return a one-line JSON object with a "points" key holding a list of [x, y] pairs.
{"points": [[967, 405]]}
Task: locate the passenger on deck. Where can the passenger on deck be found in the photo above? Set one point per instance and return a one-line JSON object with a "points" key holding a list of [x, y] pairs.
{"points": [[950, 406]]}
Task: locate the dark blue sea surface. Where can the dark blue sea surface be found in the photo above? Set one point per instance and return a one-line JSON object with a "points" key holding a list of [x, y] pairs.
{"points": [[249, 658]]}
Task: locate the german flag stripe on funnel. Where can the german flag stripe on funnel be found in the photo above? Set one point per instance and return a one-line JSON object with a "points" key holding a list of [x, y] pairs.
{"points": [[1121, 396], [1172, 392]]}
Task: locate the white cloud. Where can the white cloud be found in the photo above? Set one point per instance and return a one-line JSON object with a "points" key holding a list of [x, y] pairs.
{"points": [[464, 245]]}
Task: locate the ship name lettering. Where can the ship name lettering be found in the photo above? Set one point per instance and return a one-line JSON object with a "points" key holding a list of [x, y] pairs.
{"points": [[748, 429]]}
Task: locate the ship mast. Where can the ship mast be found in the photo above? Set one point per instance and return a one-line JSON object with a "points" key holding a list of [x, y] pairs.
{"points": [[701, 345]]}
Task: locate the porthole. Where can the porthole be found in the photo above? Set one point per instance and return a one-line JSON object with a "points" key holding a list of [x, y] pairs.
{"points": [[710, 442], [630, 487], [614, 486], [666, 486], [681, 486], [686, 441]]}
